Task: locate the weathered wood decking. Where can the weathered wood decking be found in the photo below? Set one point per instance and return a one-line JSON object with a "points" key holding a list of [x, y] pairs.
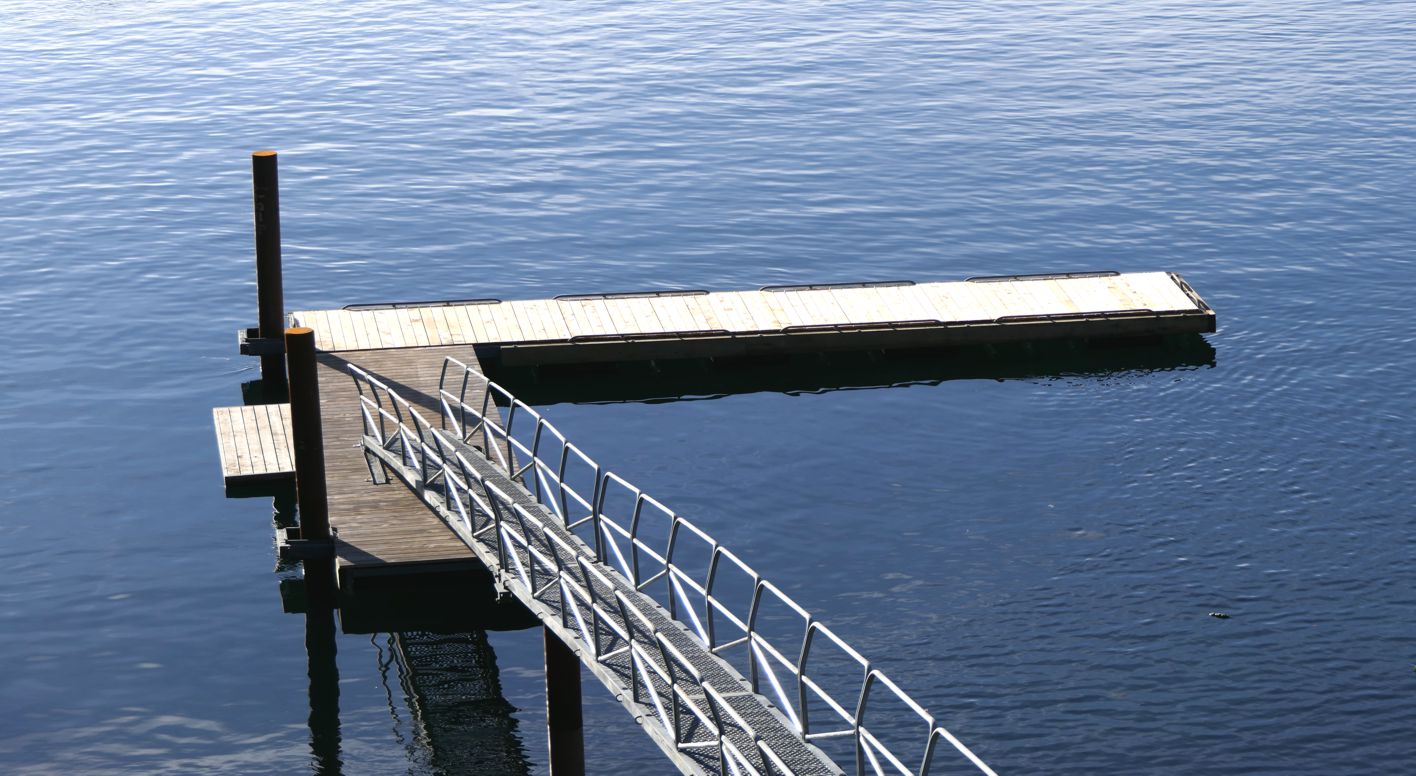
{"points": [[254, 443], [667, 324], [386, 529], [381, 528]]}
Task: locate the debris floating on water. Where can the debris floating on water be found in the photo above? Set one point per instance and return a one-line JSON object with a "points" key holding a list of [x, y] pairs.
{"points": [[1219, 615]]}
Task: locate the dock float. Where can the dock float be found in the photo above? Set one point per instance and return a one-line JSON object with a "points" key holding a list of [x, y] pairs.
{"points": [[254, 443], [381, 530], [776, 319], [378, 530]]}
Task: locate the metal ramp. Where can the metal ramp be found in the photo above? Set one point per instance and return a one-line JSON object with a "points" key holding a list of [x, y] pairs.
{"points": [[725, 672]]}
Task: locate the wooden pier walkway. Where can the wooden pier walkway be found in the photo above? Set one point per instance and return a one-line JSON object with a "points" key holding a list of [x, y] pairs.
{"points": [[378, 529], [858, 316], [382, 529], [725, 672]]}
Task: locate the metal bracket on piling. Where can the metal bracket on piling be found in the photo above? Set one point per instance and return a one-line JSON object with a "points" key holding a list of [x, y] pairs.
{"points": [[292, 547], [250, 343]]}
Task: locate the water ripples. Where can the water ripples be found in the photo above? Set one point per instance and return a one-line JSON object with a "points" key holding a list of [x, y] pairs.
{"points": [[1036, 557]]}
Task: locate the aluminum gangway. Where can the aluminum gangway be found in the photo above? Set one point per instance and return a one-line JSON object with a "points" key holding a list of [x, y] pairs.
{"points": [[725, 672]]}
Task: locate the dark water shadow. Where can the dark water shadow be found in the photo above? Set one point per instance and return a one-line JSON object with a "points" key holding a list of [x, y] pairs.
{"points": [[453, 718], [699, 379], [453, 601], [449, 714]]}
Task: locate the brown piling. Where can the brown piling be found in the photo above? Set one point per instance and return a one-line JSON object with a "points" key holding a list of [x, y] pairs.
{"points": [[312, 508], [270, 293], [311, 498]]}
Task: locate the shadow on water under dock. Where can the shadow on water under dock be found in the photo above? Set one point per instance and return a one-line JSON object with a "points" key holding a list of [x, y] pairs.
{"points": [[453, 718], [698, 379], [438, 670]]}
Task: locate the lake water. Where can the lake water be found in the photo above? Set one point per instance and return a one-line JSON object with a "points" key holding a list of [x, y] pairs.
{"points": [[1035, 558]]}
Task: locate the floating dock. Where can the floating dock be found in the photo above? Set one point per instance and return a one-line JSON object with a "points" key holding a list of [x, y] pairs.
{"points": [[254, 443], [382, 530], [776, 319], [378, 530]]}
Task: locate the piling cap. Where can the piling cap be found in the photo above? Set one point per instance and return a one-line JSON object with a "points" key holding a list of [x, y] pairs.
{"points": [[263, 153], [299, 330]]}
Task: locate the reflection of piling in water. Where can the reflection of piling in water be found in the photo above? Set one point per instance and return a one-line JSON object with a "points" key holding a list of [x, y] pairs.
{"points": [[323, 669], [452, 689]]}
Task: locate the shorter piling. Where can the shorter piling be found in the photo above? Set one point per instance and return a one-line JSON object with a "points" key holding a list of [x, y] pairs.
{"points": [[311, 497]]}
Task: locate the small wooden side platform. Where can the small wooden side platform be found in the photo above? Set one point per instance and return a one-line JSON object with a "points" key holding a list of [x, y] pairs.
{"points": [[379, 529], [853, 316], [254, 443]]}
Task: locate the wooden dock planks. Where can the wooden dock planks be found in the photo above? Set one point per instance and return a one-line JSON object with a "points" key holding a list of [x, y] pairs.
{"points": [[254, 443], [379, 529], [702, 323], [382, 529]]}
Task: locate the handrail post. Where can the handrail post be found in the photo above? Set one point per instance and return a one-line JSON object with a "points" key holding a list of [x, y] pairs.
{"points": [[270, 294], [305, 427]]}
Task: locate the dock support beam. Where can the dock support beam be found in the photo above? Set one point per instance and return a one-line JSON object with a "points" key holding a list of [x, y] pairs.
{"points": [[311, 498], [270, 293], [563, 720]]}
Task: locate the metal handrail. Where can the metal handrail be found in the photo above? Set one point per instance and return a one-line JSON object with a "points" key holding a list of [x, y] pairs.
{"points": [[545, 565], [539, 457]]}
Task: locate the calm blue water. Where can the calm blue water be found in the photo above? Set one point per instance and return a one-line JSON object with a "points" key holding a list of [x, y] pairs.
{"points": [[1034, 559]]}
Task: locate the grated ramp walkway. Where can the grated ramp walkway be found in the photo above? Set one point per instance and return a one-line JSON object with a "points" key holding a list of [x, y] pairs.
{"points": [[549, 545]]}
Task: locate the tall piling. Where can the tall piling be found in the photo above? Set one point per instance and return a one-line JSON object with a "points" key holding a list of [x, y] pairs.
{"points": [[270, 293]]}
